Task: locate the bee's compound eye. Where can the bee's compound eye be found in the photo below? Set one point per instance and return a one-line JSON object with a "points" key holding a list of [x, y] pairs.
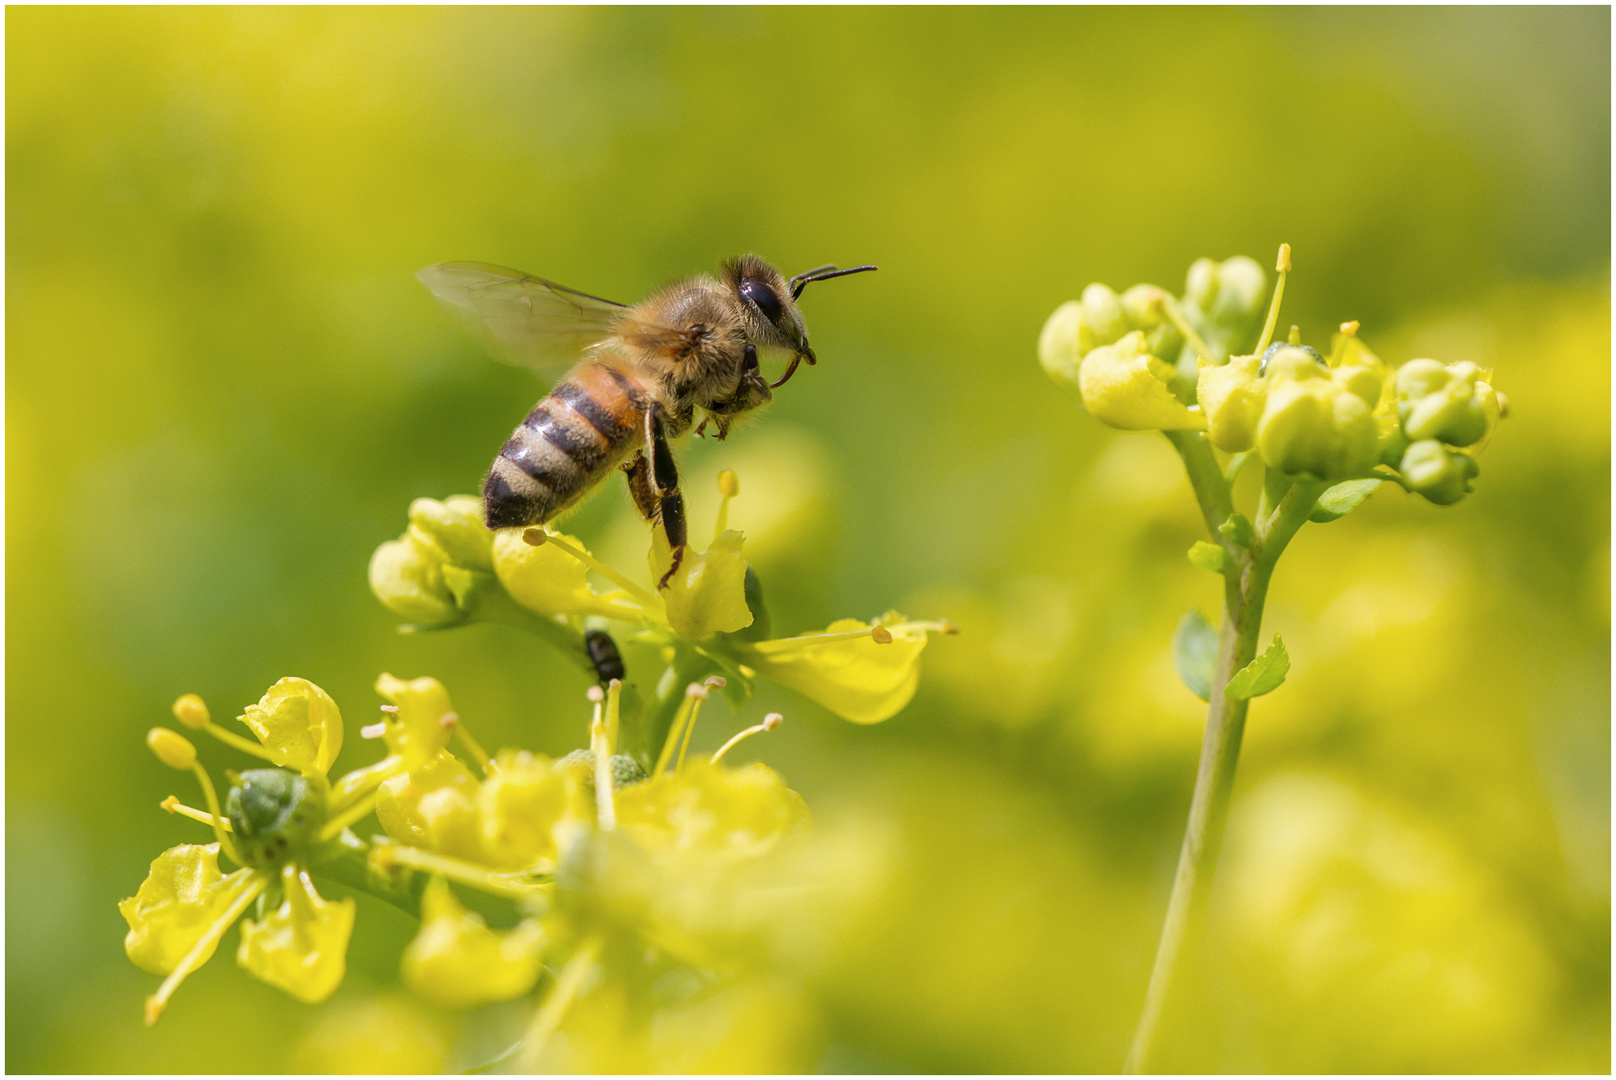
{"points": [[760, 294]]}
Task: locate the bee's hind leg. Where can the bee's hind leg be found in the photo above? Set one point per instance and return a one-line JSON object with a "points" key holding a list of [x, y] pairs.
{"points": [[638, 473], [665, 485]]}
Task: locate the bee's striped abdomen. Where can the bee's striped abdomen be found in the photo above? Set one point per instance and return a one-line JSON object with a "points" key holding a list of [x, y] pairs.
{"points": [[568, 442]]}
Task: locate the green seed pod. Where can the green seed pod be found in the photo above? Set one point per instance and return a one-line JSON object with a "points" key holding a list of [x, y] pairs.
{"points": [[275, 813], [1441, 475]]}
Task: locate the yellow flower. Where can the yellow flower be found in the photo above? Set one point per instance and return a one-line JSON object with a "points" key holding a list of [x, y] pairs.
{"points": [[302, 946], [1232, 396], [417, 731], [861, 673], [707, 594], [457, 962], [547, 579], [706, 807], [1126, 387], [520, 805], [299, 724], [181, 898], [414, 806]]}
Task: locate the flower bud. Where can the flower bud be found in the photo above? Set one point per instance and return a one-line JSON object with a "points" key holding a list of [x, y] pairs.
{"points": [[1058, 348], [1454, 404], [1441, 475], [1224, 302], [1144, 309], [171, 748], [192, 711], [407, 577], [1126, 387], [1315, 420], [546, 579], [275, 814], [456, 526], [1232, 396]]}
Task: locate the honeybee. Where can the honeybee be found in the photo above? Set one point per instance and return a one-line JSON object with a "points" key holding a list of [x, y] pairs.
{"points": [[641, 374]]}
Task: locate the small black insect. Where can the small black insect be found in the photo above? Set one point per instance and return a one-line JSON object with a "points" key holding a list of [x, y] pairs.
{"points": [[604, 655]]}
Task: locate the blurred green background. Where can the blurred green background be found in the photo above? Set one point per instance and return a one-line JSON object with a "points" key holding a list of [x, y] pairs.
{"points": [[224, 386]]}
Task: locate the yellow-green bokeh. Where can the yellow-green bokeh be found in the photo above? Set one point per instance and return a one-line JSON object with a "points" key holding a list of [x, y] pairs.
{"points": [[224, 386]]}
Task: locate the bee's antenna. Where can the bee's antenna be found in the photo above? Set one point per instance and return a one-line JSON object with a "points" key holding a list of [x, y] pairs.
{"points": [[822, 273]]}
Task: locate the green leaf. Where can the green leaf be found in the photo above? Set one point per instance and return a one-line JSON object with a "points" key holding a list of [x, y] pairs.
{"points": [[1195, 653], [1209, 557], [1343, 499], [1239, 531], [1261, 675]]}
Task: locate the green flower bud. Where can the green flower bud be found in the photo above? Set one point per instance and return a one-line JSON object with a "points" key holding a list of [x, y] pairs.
{"points": [[456, 526], [1441, 475], [1224, 302], [1103, 322], [1143, 309], [1318, 421], [1127, 387], [1232, 395], [407, 577], [1058, 348], [1455, 404], [275, 814]]}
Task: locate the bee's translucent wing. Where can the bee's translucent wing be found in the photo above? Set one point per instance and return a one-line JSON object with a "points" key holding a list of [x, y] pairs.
{"points": [[522, 319]]}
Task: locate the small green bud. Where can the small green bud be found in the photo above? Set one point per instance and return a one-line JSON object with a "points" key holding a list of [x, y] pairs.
{"points": [[1224, 303], [1103, 321], [1144, 309], [1210, 557], [1441, 475], [1239, 531], [456, 526], [275, 813], [1455, 404]]}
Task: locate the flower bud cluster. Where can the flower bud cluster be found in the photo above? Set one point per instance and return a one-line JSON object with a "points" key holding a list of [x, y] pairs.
{"points": [[1145, 361], [431, 575]]}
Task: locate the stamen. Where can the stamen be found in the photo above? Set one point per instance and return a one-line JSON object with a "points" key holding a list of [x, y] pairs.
{"points": [[1176, 316], [1295, 337], [549, 1016], [803, 641], [246, 746], [614, 710], [354, 784], [215, 818], [605, 807], [676, 729], [1283, 265], [1350, 328], [473, 747], [645, 599], [192, 711], [359, 809], [390, 710], [386, 855], [729, 486], [715, 682], [770, 722], [210, 937], [373, 731], [173, 805]]}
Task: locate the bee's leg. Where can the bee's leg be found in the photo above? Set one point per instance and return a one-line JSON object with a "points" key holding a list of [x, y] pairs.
{"points": [[665, 478], [638, 472]]}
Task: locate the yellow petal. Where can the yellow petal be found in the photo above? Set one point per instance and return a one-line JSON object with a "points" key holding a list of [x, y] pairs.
{"points": [[707, 594], [300, 723], [407, 577], [858, 679], [457, 962], [520, 806], [707, 807], [456, 526], [399, 804], [550, 581], [418, 733], [302, 946], [1126, 387], [182, 896], [1231, 396]]}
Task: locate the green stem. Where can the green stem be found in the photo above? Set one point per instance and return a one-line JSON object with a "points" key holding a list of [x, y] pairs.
{"points": [[498, 607], [1246, 591], [344, 860]]}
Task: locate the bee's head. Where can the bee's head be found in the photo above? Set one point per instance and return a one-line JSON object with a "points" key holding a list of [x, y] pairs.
{"points": [[769, 302]]}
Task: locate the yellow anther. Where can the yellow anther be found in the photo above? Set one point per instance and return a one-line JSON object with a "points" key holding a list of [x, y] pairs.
{"points": [[1295, 335], [1350, 328], [534, 537], [729, 484], [449, 719], [1503, 404], [171, 748], [595, 694], [881, 634], [192, 711], [1284, 263]]}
